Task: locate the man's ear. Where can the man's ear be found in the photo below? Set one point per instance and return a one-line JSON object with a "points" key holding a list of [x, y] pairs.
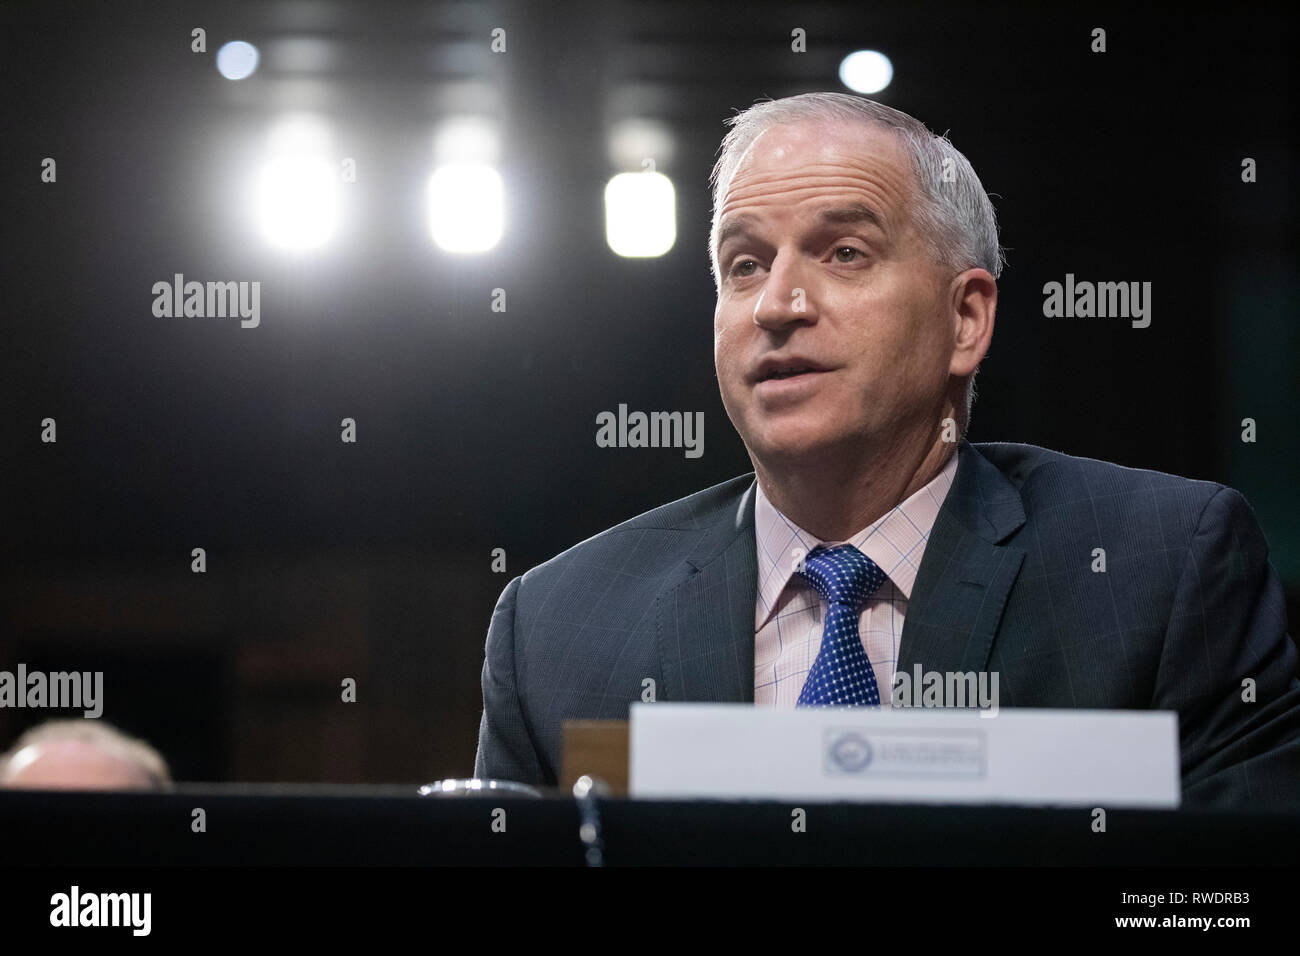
{"points": [[974, 302]]}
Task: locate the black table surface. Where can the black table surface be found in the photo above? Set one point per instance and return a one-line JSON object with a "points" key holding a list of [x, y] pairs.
{"points": [[386, 826]]}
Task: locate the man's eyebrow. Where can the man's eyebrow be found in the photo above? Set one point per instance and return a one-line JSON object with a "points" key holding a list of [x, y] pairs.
{"points": [[839, 215], [853, 213], [734, 227]]}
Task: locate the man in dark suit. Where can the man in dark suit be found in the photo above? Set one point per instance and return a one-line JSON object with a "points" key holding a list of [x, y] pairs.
{"points": [[856, 258]]}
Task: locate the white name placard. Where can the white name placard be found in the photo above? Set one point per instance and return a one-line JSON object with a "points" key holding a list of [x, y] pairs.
{"points": [[1091, 758]]}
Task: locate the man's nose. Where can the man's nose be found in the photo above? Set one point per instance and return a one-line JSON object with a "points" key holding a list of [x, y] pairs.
{"points": [[786, 297]]}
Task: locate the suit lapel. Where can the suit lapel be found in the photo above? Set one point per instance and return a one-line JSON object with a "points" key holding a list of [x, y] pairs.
{"points": [[965, 576], [706, 622]]}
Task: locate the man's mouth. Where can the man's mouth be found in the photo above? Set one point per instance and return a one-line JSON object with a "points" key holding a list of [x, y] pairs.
{"points": [[787, 374], [788, 384], [781, 369]]}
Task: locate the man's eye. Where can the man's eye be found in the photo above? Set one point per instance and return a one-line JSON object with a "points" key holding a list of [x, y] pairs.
{"points": [[840, 253], [742, 268]]}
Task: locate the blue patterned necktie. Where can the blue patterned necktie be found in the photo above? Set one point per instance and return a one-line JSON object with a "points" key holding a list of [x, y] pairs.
{"points": [[841, 675]]}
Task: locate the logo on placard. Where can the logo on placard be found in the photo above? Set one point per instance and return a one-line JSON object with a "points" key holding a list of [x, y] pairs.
{"points": [[850, 752], [907, 752]]}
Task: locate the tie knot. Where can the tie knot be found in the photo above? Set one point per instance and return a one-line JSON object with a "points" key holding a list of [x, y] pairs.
{"points": [[842, 575]]}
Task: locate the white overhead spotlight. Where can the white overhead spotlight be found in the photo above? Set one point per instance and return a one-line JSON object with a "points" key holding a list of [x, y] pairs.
{"points": [[237, 60], [466, 196], [466, 205], [640, 214], [298, 189], [866, 71]]}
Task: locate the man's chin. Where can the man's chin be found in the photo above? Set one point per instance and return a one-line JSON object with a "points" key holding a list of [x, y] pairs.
{"points": [[785, 446]]}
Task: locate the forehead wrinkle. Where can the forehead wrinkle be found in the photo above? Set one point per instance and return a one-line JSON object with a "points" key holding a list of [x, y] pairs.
{"points": [[825, 167], [885, 185], [826, 196], [882, 158]]}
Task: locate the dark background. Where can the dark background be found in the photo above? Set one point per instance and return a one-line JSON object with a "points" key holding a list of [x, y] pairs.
{"points": [[476, 429]]}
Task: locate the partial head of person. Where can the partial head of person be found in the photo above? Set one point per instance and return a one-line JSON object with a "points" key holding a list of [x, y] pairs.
{"points": [[856, 259], [82, 755]]}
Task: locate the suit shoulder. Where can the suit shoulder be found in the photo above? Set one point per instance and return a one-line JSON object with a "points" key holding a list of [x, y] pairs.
{"points": [[1045, 476], [689, 517]]}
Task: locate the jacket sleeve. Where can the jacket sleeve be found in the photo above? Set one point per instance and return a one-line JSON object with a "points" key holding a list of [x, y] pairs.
{"points": [[1229, 667], [505, 744]]}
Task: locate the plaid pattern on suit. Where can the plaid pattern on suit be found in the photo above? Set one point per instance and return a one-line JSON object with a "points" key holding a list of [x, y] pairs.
{"points": [[1186, 610]]}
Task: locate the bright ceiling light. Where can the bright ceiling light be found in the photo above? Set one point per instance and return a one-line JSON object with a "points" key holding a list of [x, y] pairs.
{"points": [[866, 71], [237, 60], [298, 190], [298, 199], [466, 207], [640, 214]]}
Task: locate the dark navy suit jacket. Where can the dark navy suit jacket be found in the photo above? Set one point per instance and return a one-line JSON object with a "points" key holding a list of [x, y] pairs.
{"points": [[1187, 609]]}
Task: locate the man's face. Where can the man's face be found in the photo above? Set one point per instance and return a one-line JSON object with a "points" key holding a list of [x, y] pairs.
{"points": [[821, 268]]}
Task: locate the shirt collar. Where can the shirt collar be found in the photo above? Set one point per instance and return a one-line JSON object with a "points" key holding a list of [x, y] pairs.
{"points": [[896, 542]]}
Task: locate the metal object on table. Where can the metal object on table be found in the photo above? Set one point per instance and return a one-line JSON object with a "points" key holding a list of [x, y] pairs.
{"points": [[587, 790], [475, 787]]}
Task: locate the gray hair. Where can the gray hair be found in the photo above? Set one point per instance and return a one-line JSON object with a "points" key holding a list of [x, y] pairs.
{"points": [[954, 214], [107, 739]]}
